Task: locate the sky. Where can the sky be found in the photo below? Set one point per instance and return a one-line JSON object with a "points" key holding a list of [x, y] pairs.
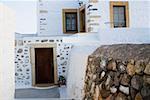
{"points": [[26, 16]]}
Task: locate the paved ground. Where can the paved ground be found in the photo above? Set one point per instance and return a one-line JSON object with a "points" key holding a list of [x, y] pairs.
{"points": [[62, 93], [37, 93], [39, 99]]}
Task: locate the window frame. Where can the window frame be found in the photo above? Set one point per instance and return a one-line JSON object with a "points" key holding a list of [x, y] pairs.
{"points": [[64, 20], [119, 3]]}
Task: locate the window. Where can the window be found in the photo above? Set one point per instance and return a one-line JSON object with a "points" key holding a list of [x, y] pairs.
{"points": [[119, 14], [70, 21]]}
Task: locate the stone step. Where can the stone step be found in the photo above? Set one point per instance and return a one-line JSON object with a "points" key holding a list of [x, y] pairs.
{"points": [[37, 93]]}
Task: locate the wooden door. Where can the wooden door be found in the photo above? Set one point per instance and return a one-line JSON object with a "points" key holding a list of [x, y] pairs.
{"points": [[44, 66], [82, 20]]}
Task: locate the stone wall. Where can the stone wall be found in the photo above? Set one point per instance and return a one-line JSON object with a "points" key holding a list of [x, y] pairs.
{"points": [[118, 72], [23, 68]]}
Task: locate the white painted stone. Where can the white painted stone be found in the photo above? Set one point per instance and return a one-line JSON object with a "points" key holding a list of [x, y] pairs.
{"points": [[102, 74], [124, 89], [122, 67], [102, 64], [108, 80], [113, 89]]}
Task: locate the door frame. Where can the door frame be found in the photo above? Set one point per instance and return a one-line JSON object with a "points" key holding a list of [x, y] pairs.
{"points": [[32, 54]]}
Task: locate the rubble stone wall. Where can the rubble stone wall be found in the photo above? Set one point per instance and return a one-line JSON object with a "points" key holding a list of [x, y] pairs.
{"points": [[118, 72], [23, 68]]}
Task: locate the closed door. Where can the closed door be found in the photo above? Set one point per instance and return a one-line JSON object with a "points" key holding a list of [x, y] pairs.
{"points": [[82, 20], [44, 66]]}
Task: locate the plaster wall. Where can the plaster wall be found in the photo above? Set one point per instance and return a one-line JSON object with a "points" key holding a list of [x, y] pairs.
{"points": [[138, 13], [51, 19], [7, 29], [124, 36], [76, 70], [51, 22]]}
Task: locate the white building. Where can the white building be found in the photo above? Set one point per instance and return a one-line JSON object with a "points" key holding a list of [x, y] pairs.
{"points": [[69, 31], [7, 18]]}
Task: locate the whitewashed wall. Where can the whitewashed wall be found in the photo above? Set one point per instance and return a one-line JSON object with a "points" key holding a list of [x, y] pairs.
{"points": [[52, 23], [7, 28], [124, 36], [138, 13], [92, 17], [77, 68], [23, 68]]}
